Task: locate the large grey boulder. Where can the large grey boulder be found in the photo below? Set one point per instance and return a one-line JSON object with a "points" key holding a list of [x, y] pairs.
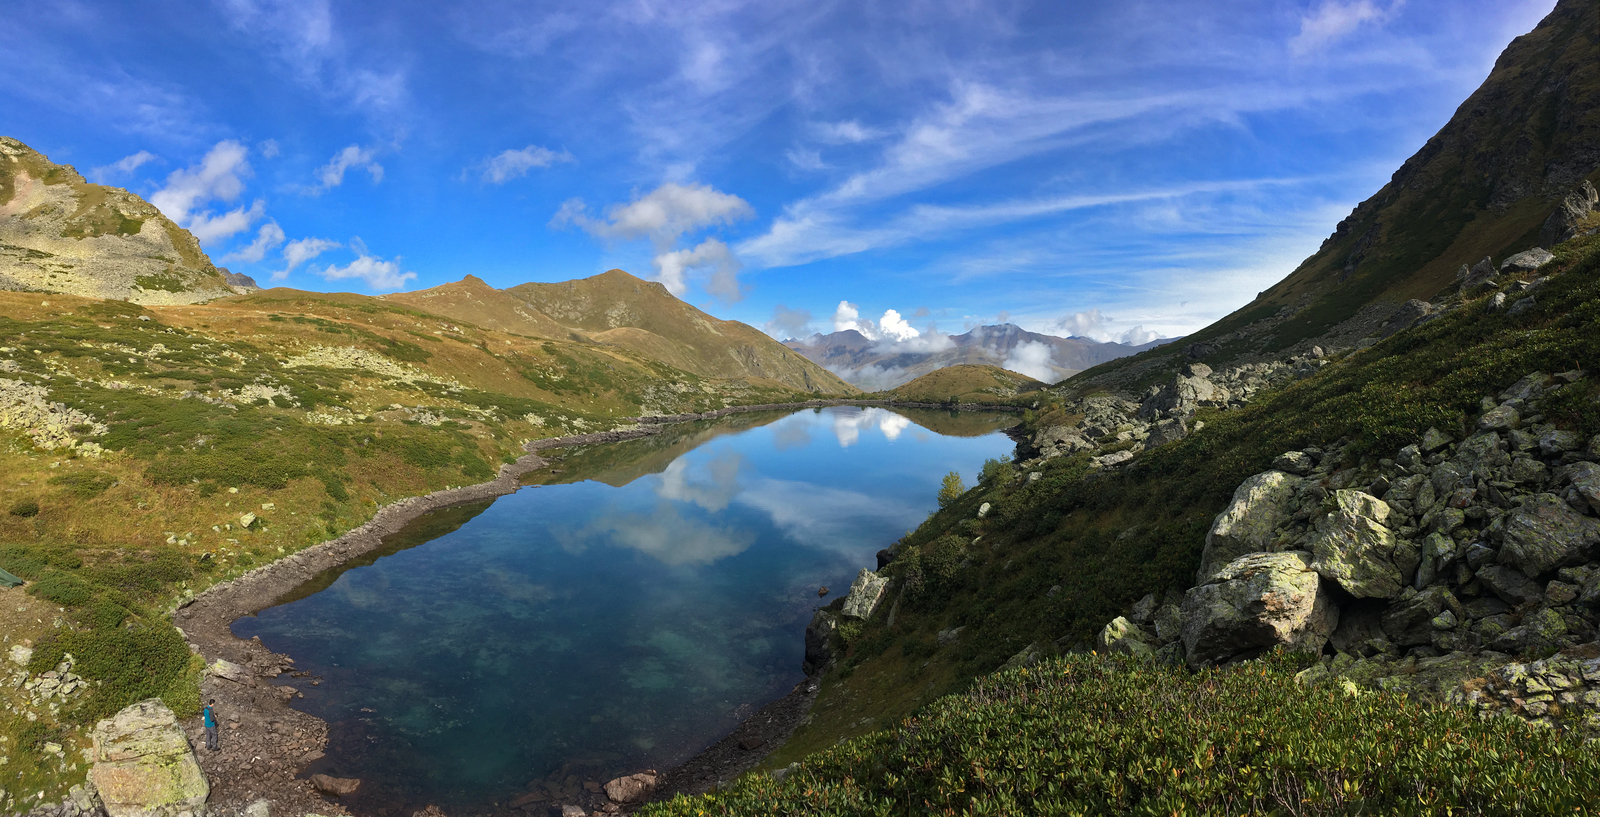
{"points": [[1568, 219], [1255, 603], [1409, 622], [1406, 316], [1353, 546], [1546, 533], [1527, 260], [1260, 504], [865, 593], [1509, 584], [143, 766]]}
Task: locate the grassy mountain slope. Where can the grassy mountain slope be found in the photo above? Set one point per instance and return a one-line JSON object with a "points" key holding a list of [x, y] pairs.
{"points": [[615, 307], [1482, 186], [475, 302], [966, 384], [59, 233]]}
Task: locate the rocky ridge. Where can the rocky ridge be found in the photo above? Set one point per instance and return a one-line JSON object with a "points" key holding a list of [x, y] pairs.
{"points": [[59, 233]]}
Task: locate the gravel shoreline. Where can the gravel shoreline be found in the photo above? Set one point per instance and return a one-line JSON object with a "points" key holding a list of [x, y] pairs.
{"points": [[265, 742]]}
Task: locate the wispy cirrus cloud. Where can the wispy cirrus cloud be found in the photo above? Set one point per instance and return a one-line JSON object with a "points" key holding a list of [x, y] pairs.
{"points": [[353, 157], [1334, 20], [514, 164], [123, 167]]}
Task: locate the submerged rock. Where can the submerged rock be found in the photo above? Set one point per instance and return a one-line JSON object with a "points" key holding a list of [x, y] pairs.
{"points": [[336, 786]]}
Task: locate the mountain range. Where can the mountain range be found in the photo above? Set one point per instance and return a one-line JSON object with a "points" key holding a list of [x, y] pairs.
{"points": [[886, 363]]}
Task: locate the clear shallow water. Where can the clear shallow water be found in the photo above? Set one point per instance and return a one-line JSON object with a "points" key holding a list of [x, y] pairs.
{"points": [[623, 618]]}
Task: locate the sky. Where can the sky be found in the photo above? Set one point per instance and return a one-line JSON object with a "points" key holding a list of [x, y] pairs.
{"points": [[1121, 171]]}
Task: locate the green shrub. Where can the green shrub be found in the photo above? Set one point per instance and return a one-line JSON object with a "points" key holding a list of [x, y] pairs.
{"points": [[85, 485], [1096, 735], [130, 664], [25, 508], [950, 489], [994, 471]]}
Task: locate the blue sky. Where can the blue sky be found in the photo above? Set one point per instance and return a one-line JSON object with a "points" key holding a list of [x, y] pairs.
{"points": [[1115, 170]]}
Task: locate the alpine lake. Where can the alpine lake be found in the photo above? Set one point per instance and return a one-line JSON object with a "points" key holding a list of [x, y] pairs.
{"points": [[625, 610]]}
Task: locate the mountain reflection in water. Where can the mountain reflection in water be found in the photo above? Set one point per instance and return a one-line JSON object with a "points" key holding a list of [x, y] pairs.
{"points": [[623, 614]]}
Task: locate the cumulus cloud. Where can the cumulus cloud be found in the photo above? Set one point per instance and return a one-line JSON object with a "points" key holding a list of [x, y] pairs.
{"points": [[1094, 325], [1333, 21], [847, 426], [302, 250], [122, 167], [514, 164], [374, 271], [788, 323], [848, 316], [219, 176], [331, 175], [895, 327], [663, 216], [268, 238], [673, 268], [269, 149], [1033, 359]]}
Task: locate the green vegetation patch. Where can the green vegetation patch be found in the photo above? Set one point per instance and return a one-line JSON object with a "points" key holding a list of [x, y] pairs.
{"points": [[162, 281], [1096, 735]]}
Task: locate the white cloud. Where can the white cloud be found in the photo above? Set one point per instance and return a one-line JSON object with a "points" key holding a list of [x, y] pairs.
{"points": [[895, 327], [1033, 359], [331, 175], [848, 316], [208, 227], [374, 271], [302, 250], [788, 323], [1094, 325], [218, 177], [663, 216], [805, 158], [269, 149], [1333, 20], [847, 132], [848, 425], [663, 534], [267, 239], [122, 167], [843, 529], [514, 164], [673, 267]]}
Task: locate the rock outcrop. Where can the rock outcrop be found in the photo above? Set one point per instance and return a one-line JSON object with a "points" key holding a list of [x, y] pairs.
{"points": [[143, 766], [1574, 216], [1249, 525], [865, 593], [1255, 603]]}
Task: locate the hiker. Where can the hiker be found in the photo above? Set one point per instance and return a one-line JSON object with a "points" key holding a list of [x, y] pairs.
{"points": [[210, 719]]}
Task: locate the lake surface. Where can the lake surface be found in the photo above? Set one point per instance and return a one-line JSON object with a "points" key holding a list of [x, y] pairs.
{"points": [[622, 615]]}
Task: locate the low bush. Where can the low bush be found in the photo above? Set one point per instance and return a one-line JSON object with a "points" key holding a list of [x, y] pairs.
{"points": [[1095, 735], [130, 664], [25, 508]]}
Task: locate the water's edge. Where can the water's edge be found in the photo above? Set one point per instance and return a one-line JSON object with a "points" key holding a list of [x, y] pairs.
{"points": [[260, 710]]}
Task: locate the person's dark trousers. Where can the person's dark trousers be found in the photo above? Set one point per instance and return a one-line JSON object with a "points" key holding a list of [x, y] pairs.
{"points": [[211, 737]]}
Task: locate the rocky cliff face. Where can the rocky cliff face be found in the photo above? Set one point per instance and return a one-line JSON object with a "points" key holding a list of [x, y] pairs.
{"points": [[59, 233]]}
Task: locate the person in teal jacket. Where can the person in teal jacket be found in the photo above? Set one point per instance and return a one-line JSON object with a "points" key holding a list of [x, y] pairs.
{"points": [[210, 719]]}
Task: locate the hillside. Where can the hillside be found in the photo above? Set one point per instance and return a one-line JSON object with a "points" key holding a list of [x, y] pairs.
{"points": [[885, 364], [966, 383], [1411, 507], [1485, 185], [59, 233]]}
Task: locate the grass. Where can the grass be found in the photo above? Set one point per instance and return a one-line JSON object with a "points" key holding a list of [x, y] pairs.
{"points": [[1094, 735]]}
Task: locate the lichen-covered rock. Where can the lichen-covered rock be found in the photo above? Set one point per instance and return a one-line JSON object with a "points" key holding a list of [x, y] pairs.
{"points": [[1123, 636], [143, 766], [1409, 622], [1255, 603], [865, 593], [1545, 533], [1353, 547], [1527, 260], [1509, 584], [1542, 631], [819, 635], [1260, 504]]}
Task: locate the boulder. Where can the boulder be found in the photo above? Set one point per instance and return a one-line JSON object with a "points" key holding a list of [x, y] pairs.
{"points": [[1433, 439], [258, 808], [1294, 462], [1527, 260], [143, 766], [223, 668], [630, 789], [1166, 431], [1409, 622], [1587, 486], [1255, 603], [1530, 386], [1500, 418], [1406, 316], [1249, 523], [1352, 546], [1545, 533], [1570, 215], [1509, 584], [1481, 274], [865, 593], [819, 636], [336, 786], [1542, 631], [1123, 636]]}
